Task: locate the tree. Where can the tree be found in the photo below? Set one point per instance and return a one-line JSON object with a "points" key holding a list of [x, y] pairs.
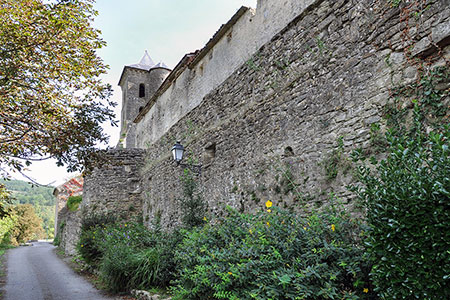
{"points": [[52, 100], [27, 226]]}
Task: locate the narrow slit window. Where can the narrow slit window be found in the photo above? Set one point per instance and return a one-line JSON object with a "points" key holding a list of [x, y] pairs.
{"points": [[141, 90], [209, 154]]}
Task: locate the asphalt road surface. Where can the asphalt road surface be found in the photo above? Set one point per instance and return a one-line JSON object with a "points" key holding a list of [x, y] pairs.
{"points": [[36, 273]]}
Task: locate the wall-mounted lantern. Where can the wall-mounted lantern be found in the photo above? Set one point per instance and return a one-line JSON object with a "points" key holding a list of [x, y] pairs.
{"points": [[177, 152]]}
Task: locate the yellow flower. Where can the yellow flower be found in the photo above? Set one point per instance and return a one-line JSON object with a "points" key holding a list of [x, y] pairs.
{"points": [[333, 228], [250, 231], [269, 210], [268, 224], [204, 219], [365, 290], [125, 225], [304, 227], [81, 245], [229, 273], [269, 204]]}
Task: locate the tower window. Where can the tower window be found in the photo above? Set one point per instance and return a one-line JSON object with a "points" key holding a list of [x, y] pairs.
{"points": [[141, 90]]}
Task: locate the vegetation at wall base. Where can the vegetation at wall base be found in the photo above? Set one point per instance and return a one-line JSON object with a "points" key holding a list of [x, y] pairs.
{"points": [[408, 211], [406, 194], [273, 254]]}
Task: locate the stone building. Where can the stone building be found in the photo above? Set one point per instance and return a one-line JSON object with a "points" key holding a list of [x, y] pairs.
{"points": [[63, 216], [271, 106]]}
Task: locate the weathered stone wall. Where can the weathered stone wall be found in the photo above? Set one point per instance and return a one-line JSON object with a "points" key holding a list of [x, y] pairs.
{"points": [[115, 188], [67, 223], [282, 125], [248, 30]]}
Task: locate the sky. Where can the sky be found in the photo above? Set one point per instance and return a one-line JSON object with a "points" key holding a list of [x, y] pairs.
{"points": [[167, 29]]}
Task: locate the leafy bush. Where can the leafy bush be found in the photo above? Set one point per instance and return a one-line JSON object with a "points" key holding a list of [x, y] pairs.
{"points": [[73, 202], [89, 245], [128, 255], [117, 267], [274, 255], [157, 265], [408, 210]]}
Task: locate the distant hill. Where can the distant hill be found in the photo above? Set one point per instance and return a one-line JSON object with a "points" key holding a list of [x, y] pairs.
{"points": [[25, 193], [39, 196]]}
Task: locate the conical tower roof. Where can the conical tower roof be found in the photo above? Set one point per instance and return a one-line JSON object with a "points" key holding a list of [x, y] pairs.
{"points": [[161, 65], [146, 63]]}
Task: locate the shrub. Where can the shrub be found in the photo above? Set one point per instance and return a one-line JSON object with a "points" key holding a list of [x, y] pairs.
{"points": [[118, 266], [408, 210], [130, 256], [157, 267], [73, 202], [89, 245], [274, 255]]}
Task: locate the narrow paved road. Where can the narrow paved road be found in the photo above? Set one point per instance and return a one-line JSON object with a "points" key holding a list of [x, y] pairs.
{"points": [[36, 273]]}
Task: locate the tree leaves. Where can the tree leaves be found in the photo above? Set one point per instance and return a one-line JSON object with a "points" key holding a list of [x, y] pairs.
{"points": [[52, 101]]}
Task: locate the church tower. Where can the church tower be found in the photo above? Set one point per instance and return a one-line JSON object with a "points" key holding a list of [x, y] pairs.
{"points": [[139, 82]]}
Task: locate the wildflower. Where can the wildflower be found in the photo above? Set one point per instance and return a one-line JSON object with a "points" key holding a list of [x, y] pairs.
{"points": [[304, 227], [204, 219], [251, 231], [81, 245], [268, 224], [269, 204], [269, 210], [333, 228], [229, 273], [365, 290], [125, 224]]}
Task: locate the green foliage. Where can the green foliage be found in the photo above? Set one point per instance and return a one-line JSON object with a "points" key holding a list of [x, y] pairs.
{"points": [[408, 210], [117, 267], [88, 245], [41, 197], [273, 255], [7, 223], [25, 193], [52, 101], [27, 224], [428, 101], [5, 200], [192, 205], [128, 255], [73, 202]]}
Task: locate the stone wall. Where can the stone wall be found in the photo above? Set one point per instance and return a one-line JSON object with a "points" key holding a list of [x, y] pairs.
{"points": [[67, 223], [115, 188], [233, 44], [281, 127]]}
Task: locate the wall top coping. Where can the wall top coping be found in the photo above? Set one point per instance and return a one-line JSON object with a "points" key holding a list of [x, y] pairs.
{"points": [[190, 60]]}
